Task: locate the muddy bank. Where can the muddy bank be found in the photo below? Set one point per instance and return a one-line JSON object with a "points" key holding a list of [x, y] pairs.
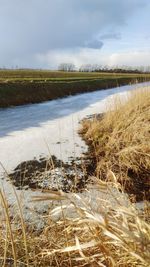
{"points": [[50, 174], [13, 93]]}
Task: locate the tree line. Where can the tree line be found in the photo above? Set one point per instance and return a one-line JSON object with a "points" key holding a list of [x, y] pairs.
{"points": [[70, 67]]}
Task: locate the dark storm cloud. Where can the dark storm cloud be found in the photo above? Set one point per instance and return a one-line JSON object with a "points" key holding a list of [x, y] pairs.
{"points": [[30, 27], [94, 44]]}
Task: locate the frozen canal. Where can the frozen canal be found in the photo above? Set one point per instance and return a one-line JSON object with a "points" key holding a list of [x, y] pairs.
{"points": [[50, 127]]}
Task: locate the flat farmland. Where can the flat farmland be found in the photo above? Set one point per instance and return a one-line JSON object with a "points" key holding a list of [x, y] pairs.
{"points": [[18, 87]]}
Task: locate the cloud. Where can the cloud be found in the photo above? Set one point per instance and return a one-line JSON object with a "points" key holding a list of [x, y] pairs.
{"points": [[109, 36], [31, 27], [93, 56], [76, 56], [95, 44], [130, 58]]}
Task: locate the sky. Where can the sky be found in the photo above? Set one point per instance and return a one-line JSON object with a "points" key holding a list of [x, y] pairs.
{"points": [[45, 33]]}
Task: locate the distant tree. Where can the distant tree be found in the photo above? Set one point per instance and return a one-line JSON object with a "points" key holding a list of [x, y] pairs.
{"points": [[146, 69], [86, 68], [66, 67], [114, 69], [93, 68]]}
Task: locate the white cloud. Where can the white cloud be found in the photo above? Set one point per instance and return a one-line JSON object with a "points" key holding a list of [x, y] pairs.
{"points": [[130, 58], [76, 56], [93, 56]]}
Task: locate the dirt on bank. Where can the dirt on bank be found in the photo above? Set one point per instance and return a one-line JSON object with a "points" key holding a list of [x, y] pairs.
{"points": [[14, 93], [50, 174]]}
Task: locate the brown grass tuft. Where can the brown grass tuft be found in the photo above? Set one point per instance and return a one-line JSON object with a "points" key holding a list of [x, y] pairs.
{"points": [[120, 142], [119, 237]]}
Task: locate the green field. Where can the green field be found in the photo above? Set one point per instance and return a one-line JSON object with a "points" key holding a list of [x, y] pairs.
{"points": [[14, 75], [19, 87]]}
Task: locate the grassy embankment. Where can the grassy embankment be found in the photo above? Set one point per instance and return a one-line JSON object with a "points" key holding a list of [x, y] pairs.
{"points": [[120, 142], [19, 87], [118, 238]]}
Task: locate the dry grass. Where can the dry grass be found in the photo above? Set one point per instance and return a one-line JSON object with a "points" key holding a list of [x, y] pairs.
{"points": [[120, 142], [117, 238]]}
